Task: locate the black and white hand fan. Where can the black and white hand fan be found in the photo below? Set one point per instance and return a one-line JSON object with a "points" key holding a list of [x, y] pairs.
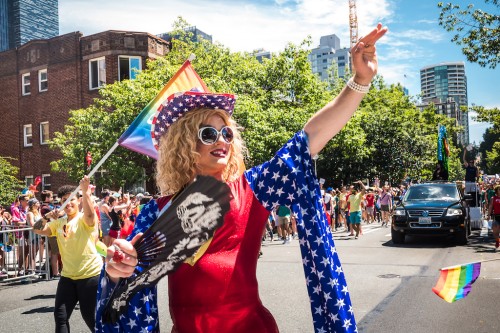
{"points": [[176, 235]]}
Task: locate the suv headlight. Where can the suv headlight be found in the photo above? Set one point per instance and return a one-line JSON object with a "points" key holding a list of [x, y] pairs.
{"points": [[453, 212], [400, 212]]}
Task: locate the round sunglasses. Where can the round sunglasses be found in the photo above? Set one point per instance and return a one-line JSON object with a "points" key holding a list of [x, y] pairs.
{"points": [[208, 135]]}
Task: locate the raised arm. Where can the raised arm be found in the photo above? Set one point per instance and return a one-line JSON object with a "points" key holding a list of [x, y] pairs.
{"points": [[362, 186], [89, 214], [328, 121]]}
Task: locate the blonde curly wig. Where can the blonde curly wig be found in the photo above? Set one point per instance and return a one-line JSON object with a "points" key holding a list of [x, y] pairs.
{"points": [[177, 155]]}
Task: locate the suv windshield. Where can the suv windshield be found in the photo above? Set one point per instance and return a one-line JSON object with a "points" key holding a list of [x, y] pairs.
{"points": [[432, 192]]}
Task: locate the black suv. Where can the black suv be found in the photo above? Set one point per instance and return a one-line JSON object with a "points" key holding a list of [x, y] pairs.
{"points": [[432, 209]]}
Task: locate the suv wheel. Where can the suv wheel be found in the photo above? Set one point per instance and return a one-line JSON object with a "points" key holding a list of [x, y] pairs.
{"points": [[397, 236]]}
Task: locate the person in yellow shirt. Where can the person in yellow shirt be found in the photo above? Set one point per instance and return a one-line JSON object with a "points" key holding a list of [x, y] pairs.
{"points": [[76, 235], [355, 207]]}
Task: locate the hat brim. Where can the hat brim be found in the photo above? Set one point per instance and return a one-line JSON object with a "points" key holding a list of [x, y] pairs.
{"points": [[177, 105]]}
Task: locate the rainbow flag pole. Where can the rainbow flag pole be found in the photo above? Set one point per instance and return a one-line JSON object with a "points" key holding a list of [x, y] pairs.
{"points": [[455, 282], [138, 135]]}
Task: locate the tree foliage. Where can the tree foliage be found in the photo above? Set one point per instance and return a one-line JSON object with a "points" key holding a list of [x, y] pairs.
{"points": [[388, 137], [10, 185], [477, 31]]}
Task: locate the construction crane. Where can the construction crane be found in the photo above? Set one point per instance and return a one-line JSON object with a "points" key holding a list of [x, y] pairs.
{"points": [[353, 28], [353, 22]]}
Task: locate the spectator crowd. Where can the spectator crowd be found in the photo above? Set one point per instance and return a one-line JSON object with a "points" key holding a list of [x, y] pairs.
{"points": [[115, 210]]}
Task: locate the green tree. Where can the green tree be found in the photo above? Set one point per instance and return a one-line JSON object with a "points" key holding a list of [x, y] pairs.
{"points": [[10, 185], [477, 31]]}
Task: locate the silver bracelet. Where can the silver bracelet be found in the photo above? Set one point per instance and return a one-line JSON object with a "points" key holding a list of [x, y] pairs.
{"points": [[359, 88]]}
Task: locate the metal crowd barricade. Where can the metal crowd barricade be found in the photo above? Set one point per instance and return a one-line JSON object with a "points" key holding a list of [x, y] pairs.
{"points": [[25, 255]]}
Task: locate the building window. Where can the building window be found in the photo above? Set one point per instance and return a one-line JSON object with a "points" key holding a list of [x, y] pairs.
{"points": [[128, 67], [28, 135], [45, 182], [42, 80], [26, 84], [44, 133], [28, 180], [97, 73]]}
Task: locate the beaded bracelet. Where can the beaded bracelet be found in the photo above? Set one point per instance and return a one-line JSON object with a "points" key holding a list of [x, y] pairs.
{"points": [[359, 88]]}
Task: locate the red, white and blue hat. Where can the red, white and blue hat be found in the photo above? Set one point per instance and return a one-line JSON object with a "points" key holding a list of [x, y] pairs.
{"points": [[178, 104]]}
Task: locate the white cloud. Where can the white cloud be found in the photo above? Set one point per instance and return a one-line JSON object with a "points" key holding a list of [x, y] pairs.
{"points": [[434, 36], [433, 22], [401, 73]]}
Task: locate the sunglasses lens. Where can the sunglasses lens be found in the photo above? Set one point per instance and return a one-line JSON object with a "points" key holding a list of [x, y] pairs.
{"points": [[227, 134], [209, 135]]}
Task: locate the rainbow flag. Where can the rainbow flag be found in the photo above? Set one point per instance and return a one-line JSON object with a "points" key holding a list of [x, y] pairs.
{"points": [[455, 282], [138, 136], [137, 210], [443, 149]]}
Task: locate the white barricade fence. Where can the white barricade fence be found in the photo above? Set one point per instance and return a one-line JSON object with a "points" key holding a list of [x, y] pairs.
{"points": [[476, 213], [24, 254]]}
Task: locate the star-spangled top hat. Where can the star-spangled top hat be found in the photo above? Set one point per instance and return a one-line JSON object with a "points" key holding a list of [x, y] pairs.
{"points": [[179, 104]]}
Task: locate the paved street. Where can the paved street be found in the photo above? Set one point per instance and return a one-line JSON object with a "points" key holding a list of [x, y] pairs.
{"points": [[390, 288]]}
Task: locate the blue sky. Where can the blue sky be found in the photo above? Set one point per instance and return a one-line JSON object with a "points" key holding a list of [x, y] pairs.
{"points": [[415, 39]]}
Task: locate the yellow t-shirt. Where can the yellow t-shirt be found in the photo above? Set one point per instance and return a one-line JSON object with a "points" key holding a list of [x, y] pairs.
{"points": [[77, 248], [355, 202]]}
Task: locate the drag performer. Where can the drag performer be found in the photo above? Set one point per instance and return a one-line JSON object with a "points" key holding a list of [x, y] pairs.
{"points": [[216, 290]]}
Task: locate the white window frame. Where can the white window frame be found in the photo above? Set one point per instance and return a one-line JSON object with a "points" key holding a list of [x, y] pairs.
{"points": [[28, 180], [100, 81], [129, 69], [46, 141], [25, 135], [26, 85], [44, 183], [40, 81]]}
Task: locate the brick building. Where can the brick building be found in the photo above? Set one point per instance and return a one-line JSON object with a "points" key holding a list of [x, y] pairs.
{"points": [[42, 80]]}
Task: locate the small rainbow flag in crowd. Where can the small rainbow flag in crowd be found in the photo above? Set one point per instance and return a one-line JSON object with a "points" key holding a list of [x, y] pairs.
{"points": [[455, 282], [137, 210]]}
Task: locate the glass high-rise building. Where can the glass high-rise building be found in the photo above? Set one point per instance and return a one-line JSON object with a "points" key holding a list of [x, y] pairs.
{"points": [[446, 83], [25, 20], [4, 25]]}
